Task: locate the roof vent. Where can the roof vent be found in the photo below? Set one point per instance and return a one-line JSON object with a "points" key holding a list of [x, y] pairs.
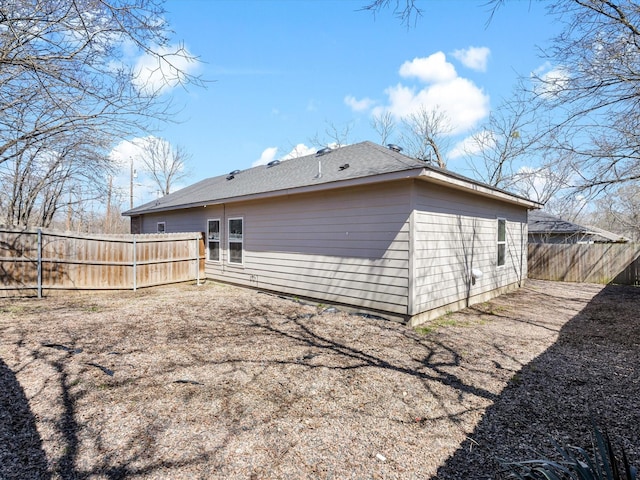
{"points": [[230, 176], [235, 172], [394, 147], [323, 151], [273, 163], [343, 166]]}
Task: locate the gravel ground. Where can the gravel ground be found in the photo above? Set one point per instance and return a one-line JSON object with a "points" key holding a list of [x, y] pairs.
{"points": [[221, 382]]}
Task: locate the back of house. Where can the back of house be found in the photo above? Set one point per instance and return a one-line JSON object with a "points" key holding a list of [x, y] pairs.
{"points": [[362, 226]]}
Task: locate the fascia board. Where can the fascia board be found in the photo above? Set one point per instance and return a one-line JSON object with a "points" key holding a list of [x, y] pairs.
{"points": [[370, 180], [460, 184]]}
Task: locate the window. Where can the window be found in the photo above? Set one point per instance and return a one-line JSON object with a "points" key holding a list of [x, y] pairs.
{"points": [[213, 240], [161, 227], [236, 240], [502, 241]]}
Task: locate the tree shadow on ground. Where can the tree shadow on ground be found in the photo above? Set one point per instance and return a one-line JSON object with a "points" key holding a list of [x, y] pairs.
{"points": [[21, 448], [21, 453], [591, 373], [257, 372]]}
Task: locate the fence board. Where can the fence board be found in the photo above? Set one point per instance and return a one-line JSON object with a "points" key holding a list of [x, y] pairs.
{"points": [[75, 261], [591, 263]]}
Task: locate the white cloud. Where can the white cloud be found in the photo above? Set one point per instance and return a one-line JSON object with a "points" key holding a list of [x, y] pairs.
{"points": [[542, 183], [463, 103], [474, 58], [549, 81], [300, 150], [144, 187], [358, 105], [158, 74], [472, 145], [269, 154], [431, 69]]}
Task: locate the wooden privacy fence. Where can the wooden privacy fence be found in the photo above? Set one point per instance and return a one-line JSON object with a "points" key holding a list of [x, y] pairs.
{"points": [[37, 260], [592, 263]]}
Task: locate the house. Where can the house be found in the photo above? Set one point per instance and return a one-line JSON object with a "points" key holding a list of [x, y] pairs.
{"points": [[545, 228], [362, 225]]}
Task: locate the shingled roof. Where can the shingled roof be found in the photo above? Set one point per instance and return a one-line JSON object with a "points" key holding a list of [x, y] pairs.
{"points": [[359, 161], [542, 223]]}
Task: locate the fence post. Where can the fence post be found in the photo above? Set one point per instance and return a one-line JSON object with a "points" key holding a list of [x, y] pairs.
{"points": [[197, 261], [135, 273], [39, 263]]}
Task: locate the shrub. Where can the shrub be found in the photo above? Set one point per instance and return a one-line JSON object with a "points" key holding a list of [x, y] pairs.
{"points": [[576, 464]]}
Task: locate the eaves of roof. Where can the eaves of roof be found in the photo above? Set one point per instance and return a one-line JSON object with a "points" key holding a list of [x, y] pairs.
{"points": [[459, 182], [380, 178]]}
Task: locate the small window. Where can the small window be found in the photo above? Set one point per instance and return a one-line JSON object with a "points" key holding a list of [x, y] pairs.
{"points": [[502, 241], [161, 227], [236, 240], [213, 240]]}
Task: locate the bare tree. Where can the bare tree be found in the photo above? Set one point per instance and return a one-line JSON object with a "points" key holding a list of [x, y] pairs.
{"points": [[591, 95], [541, 184], [166, 164], [505, 141], [68, 89], [384, 124], [36, 179], [334, 136], [619, 211], [406, 10], [424, 135]]}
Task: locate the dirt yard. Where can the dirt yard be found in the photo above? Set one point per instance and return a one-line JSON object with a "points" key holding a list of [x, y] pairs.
{"points": [[221, 382]]}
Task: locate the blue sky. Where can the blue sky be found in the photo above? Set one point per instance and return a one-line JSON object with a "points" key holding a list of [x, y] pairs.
{"points": [[282, 71]]}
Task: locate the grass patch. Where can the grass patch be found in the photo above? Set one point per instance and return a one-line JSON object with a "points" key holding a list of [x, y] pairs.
{"points": [[444, 322]]}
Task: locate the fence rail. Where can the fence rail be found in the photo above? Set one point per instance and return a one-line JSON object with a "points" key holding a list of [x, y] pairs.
{"points": [[592, 263], [33, 261]]}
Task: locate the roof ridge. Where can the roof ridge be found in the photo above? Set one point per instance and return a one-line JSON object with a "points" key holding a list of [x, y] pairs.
{"points": [[359, 162]]}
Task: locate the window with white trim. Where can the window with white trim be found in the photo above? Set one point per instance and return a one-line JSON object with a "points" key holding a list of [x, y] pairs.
{"points": [[502, 241], [213, 240], [162, 227], [236, 240]]}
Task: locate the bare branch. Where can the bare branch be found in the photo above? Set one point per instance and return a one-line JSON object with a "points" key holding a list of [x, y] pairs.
{"points": [[384, 124], [406, 10], [425, 135], [165, 164], [68, 92]]}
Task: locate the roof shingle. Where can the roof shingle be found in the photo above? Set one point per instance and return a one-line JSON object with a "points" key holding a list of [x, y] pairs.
{"points": [[357, 161]]}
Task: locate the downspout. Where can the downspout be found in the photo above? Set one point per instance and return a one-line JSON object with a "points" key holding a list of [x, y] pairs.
{"points": [[524, 251]]}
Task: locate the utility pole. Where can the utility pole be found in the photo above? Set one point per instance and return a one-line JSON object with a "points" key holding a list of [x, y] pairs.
{"points": [[133, 174], [107, 220]]}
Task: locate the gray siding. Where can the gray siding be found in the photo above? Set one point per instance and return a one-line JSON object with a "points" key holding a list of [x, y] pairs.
{"points": [[404, 247], [177, 221], [348, 246], [456, 232]]}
